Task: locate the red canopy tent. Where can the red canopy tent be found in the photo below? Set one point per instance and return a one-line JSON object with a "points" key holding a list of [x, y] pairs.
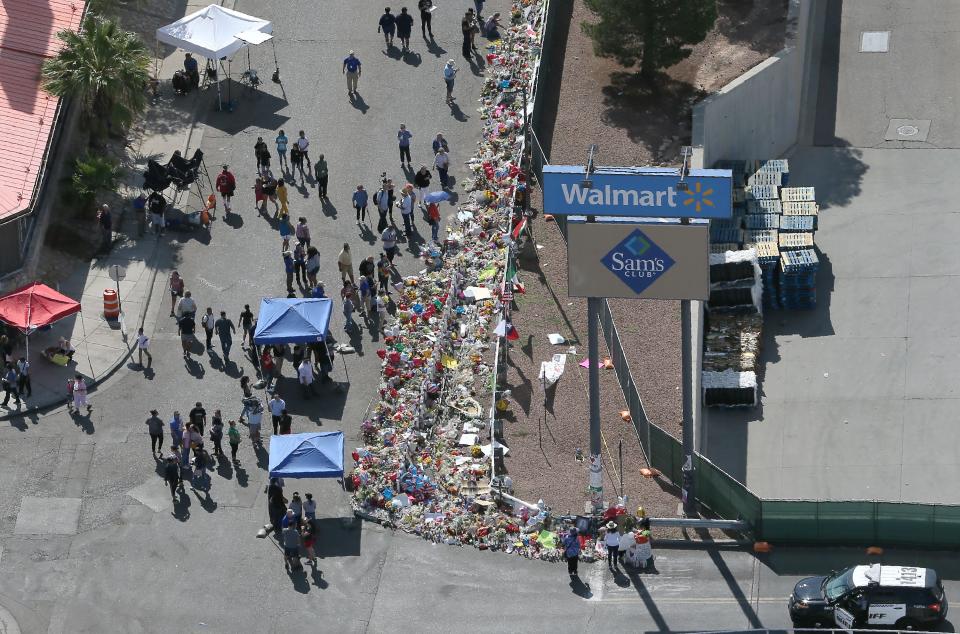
{"points": [[34, 306]]}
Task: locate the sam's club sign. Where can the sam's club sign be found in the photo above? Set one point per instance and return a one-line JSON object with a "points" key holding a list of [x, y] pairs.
{"points": [[648, 192]]}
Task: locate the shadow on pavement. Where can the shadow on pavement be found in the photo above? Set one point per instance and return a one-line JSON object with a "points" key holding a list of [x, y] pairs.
{"points": [[337, 537], [252, 108]]}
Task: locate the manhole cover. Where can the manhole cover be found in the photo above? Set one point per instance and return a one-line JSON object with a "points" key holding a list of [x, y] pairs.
{"points": [[912, 130], [908, 130]]}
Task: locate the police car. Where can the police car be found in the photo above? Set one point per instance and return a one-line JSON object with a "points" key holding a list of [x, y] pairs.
{"points": [[887, 597]]}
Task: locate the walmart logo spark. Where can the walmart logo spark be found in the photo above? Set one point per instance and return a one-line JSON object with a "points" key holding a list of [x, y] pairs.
{"points": [[698, 196]]}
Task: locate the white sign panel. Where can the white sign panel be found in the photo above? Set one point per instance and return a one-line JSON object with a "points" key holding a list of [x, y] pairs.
{"points": [[843, 618], [886, 613]]}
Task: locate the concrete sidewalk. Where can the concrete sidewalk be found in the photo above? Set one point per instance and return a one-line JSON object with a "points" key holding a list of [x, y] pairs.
{"points": [[102, 345]]}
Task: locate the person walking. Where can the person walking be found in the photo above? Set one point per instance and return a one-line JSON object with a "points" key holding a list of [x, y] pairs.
{"points": [[352, 68], [310, 508], [442, 162], [382, 199], [612, 541], [308, 539], [23, 378], [233, 437], [175, 284], [368, 267], [259, 195], [143, 348], [571, 550], [9, 380], [291, 548], [406, 210], [304, 144], [198, 418], [302, 232], [439, 142], [277, 407], [426, 17], [155, 428], [389, 239], [246, 320], [288, 269], [171, 476], [176, 430], [348, 308], [479, 6], [286, 423], [421, 181], [282, 142], [466, 28], [322, 176], [186, 326], [156, 204], [449, 77], [384, 266], [387, 25], [225, 329], [433, 216], [259, 148], [270, 192], [105, 222], [79, 394], [313, 265], [296, 162], [300, 264], [365, 288], [305, 376], [216, 433], [187, 306], [207, 322], [360, 203], [345, 263], [226, 185], [284, 200], [404, 28], [403, 140]]}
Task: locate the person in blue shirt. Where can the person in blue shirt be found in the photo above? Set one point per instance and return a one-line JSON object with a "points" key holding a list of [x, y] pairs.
{"points": [[288, 267], [388, 24], [192, 69], [403, 139], [176, 429], [360, 203], [282, 142], [352, 69]]}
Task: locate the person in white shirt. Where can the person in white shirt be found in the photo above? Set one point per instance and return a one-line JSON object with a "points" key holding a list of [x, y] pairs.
{"points": [[303, 144], [143, 348], [305, 374], [208, 320], [186, 305], [442, 162], [406, 210], [276, 405], [612, 541]]}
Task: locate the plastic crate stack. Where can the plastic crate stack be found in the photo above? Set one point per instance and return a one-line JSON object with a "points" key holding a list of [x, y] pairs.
{"points": [[798, 279]]}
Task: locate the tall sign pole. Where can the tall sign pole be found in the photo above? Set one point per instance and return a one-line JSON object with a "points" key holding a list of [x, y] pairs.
{"points": [[688, 484], [593, 375]]}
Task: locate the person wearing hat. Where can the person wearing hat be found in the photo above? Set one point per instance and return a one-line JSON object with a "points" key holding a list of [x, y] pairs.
{"points": [[449, 75], [155, 427], [352, 69], [612, 541], [571, 550]]}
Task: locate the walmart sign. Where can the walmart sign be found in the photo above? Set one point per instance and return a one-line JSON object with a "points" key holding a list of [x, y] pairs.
{"points": [[648, 192]]}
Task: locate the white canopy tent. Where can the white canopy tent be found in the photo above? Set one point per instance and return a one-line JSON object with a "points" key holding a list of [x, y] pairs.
{"points": [[215, 32]]}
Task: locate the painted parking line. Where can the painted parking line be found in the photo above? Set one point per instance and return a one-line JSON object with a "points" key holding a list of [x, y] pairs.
{"points": [[623, 598]]}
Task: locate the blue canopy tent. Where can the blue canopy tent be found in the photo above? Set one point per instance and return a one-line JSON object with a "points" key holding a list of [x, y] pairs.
{"points": [[311, 455], [296, 320]]}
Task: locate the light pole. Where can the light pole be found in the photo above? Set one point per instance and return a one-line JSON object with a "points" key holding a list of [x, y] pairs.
{"points": [[594, 305]]}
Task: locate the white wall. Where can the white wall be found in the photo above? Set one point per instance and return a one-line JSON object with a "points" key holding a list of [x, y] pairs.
{"points": [[758, 115]]}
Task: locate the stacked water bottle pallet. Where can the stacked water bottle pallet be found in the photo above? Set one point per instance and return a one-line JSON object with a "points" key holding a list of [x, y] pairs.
{"points": [[798, 279]]}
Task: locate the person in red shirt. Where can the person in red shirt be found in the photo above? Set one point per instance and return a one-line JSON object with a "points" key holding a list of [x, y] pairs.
{"points": [[226, 184]]}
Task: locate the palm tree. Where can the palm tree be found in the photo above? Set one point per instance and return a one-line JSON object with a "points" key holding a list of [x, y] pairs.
{"points": [[102, 66]]}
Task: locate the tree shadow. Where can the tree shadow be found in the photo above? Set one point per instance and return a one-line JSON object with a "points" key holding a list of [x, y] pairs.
{"points": [[758, 24], [665, 102]]}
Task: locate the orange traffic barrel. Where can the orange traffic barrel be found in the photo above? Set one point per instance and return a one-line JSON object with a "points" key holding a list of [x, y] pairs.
{"points": [[111, 304]]}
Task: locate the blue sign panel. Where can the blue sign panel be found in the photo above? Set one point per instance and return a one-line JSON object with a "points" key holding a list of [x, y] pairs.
{"points": [[637, 261], [650, 192]]}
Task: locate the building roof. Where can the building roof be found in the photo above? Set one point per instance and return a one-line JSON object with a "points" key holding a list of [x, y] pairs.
{"points": [[28, 35]]}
